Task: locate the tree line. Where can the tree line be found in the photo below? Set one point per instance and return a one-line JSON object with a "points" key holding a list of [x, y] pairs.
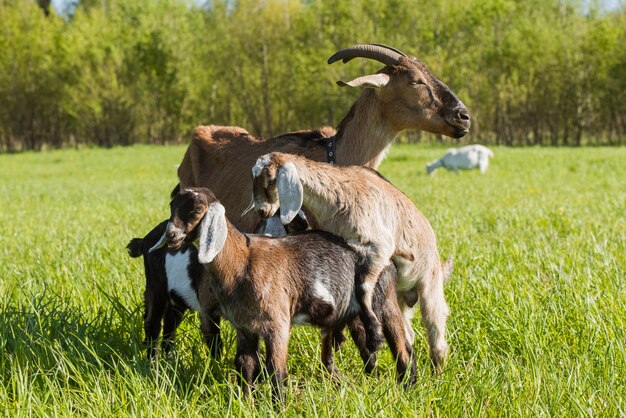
{"points": [[113, 72]]}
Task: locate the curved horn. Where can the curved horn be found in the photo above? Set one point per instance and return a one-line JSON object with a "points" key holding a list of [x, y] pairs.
{"points": [[391, 48], [378, 52]]}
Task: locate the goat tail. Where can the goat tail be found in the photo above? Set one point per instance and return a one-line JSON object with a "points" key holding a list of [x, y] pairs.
{"points": [[447, 267], [134, 247], [430, 167]]}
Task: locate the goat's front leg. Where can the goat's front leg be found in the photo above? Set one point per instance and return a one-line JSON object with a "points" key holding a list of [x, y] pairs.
{"points": [[154, 307], [210, 328], [247, 360], [276, 344], [171, 321]]}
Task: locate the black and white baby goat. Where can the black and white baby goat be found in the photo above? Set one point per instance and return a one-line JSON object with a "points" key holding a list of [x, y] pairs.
{"points": [[173, 287]]}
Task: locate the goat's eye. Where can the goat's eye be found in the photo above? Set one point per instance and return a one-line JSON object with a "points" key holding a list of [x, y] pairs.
{"points": [[416, 82], [271, 182]]}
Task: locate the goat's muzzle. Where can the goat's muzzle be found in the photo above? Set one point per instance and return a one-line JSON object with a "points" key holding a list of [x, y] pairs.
{"points": [[264, 210], [459, 119], [174, 236], [264, 213]]}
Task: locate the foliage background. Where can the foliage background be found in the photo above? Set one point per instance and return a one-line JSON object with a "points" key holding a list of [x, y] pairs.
{"points": [[147, 71]]}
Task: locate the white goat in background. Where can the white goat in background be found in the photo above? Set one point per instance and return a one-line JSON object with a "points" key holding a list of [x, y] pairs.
{"points": [[464, 158]]}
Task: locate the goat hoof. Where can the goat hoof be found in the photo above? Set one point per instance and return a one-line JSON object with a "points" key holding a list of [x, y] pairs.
{"points": [[334, 375], [371, 370], [439, 358]]}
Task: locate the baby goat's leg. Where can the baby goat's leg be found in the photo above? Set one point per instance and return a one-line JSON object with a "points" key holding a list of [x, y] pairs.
{"points": [[172, 319], [435, 312], [408, 311], [276, 344], [247, 360], [328, 341], [367, 277], [393, 321], [402, 350], [210, 316], [358, 335], [210, 327], [338, 338], [154, 306]]}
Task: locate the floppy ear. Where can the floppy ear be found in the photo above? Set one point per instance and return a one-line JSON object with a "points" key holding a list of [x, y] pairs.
{"points": [[372, 81], [159, 244], [289, 192], [213, 232]]}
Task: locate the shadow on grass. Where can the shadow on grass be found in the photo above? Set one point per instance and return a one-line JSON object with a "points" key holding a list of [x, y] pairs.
{"points": [[48, 332]]}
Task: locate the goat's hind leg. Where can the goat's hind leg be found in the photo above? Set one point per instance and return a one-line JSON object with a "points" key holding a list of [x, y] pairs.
{"points": [[367, 276], [393, 321], [394, 329], [435, 312], [329, 343], [276, 344], [370, 358]]}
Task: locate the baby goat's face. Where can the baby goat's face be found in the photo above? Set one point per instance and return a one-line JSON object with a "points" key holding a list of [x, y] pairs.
{"points": [[187, 210], [265, 193]]}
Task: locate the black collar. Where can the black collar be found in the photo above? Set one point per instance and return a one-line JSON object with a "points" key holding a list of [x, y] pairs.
{"points": [[331, 153]]}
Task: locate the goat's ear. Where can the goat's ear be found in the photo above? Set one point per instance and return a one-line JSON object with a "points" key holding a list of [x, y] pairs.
{"points": [[369, 81], [289, 192], [213, 232], [159, 244]]}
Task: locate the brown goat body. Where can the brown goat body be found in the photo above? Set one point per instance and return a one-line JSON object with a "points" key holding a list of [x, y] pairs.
{"points": [[402, 95], [378, 220], [264, 285]]}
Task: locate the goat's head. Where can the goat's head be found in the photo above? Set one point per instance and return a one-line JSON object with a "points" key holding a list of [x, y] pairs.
{"points": [[276, 185], [196, 215], [412, 96]]}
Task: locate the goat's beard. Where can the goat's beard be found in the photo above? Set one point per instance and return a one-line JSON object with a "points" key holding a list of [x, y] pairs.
{"points": [[248, 208]]}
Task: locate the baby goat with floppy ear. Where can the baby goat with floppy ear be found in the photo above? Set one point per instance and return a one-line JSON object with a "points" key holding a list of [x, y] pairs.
{"points": [[378, 220], [265, 285], [172, 282]]}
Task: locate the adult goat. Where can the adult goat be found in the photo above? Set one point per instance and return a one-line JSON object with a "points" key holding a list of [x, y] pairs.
{"points": [[402, 95]]}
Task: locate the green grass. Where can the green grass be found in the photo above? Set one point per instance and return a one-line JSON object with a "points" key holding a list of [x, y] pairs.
{"points": [[538, 295]]}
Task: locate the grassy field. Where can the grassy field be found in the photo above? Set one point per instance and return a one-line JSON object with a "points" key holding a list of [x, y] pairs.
{"points": [[538, 295]]}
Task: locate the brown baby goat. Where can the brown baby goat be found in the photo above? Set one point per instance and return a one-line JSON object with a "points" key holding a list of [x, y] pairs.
{"points": [[264, 285]]}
